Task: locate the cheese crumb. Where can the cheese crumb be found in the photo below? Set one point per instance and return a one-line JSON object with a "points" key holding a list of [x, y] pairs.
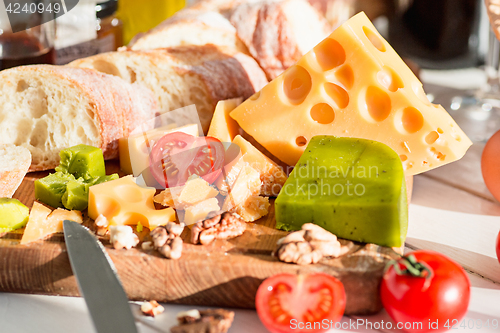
{"points": [[122, 236]]}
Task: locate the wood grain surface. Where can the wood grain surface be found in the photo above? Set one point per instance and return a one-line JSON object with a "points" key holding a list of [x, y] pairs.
{"points": [[225, 273]]}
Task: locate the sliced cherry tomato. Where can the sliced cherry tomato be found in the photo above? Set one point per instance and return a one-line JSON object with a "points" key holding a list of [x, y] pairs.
{"points": [[300, 303], [425, 291], [177, 156], [490, 165], [498, 247]]}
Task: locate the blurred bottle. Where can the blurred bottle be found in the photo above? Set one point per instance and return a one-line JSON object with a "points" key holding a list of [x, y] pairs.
{"points": [[34, 44], [437, 34], [109, 28], [140, 16]]}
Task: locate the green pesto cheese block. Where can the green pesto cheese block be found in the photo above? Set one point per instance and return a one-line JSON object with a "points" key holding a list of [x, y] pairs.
{"points": [[76, 196], [13, 214], [355, 188], [51, 189], [82, 161]]}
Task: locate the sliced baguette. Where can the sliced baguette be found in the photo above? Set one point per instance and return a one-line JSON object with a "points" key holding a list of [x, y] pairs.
{"points": [[14, 164], [185, 75], [48, 108], [190, 27], [278, 33]]}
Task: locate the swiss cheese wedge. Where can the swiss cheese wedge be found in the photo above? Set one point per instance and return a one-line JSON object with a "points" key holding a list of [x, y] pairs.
{"points": [[223, 127], [352, 84]]}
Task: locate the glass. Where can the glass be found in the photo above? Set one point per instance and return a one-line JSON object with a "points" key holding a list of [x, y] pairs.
{"points": [[32, 44], [436, 34]]}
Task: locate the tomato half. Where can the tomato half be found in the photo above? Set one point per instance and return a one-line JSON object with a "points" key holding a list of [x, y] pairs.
{"points": [[490, 165], [177, 156], [300, 303], [416, 303]]}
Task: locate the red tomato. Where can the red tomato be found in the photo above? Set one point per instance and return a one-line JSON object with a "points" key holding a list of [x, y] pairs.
{"points": [[498, 247], [490, 165], [300, 303], [177, 156], [418, 302]]}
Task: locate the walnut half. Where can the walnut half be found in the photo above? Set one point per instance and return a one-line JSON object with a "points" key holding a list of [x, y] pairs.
{"points": [[309, 245], [204, 321], [221, 226], [167, 239]]}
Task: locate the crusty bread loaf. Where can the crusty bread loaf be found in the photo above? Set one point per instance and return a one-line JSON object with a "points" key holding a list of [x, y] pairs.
{"points": [[278, 33], [185, 75], [14, 163], [190, 27], [48, 108]]}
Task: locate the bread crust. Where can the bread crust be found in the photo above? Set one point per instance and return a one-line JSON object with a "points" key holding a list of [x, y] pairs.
{"points": [[194, 20], [12, 175], [223, 72], [268, 32], [118, 107]]}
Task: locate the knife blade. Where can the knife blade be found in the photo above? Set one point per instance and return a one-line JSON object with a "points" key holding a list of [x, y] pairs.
{"points": [[97, 281]]}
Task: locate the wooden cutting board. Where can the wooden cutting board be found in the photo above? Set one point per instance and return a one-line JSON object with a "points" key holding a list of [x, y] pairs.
{"points": [[225, 273]]}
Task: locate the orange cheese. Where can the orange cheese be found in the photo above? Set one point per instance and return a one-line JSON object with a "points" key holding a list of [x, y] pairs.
{"points": [[223, 127], [272, 175], [123, 202], [44, 222], [352, 84], [134, 150]]}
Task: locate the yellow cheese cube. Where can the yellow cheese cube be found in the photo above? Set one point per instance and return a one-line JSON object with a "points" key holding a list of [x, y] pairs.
{"points": [[223, 127], [247, 184], [199, 212], [123, 202], [272, 175], [134, 150], [44, 222], [253, 209], [352, 84]]}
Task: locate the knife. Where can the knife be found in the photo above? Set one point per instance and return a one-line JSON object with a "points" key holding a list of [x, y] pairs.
{"points": [[98, 281]]}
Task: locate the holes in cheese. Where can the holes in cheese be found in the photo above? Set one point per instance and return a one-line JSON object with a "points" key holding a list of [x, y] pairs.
{"points": [[301, 141], [378, 103], [255, 96], [322, 113], [389, 79], [329, 54], [412, 120], [297, 84], [374, 39], [374, 96], [431, 137], [345, 75], [339, 95], [129, 193], [108, 207]]}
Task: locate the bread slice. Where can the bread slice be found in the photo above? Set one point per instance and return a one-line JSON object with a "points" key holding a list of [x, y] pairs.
{"points": [[278, 33], [48, 108], [190, 27], [185, 75], [14, 163]]}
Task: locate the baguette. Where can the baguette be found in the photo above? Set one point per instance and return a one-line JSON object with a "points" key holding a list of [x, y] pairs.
{"points": [[190, 27], [14, 163], [48, 108], [278, 33], [185, 75]]}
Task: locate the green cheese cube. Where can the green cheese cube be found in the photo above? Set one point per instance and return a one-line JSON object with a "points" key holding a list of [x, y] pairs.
{"points": [[51, 189], [13, 214], [77, 191], [82, 161], [354, 188]]}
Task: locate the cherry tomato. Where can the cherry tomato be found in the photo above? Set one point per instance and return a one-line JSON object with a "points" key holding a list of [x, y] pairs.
{"points": [[441, 293], [300, 303], [490, 165], [498, 247], [177, 156]]}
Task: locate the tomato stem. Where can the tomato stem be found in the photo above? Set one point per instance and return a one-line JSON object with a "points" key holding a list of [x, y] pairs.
{"points": [[412, 267]]}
